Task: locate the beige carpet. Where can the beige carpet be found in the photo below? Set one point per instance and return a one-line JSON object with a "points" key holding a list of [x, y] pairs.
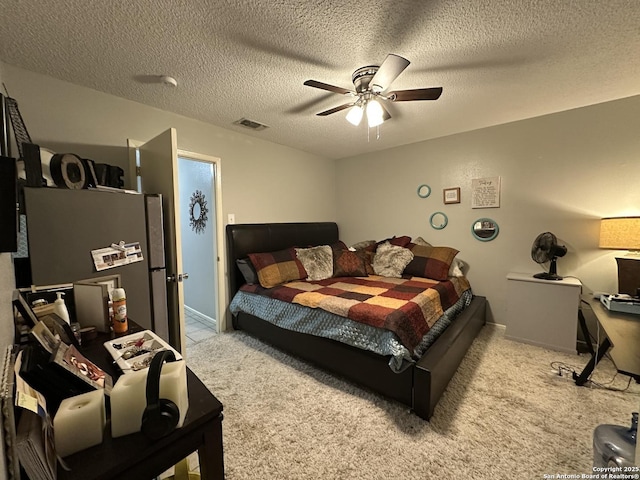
{"points": [[503, 416]]}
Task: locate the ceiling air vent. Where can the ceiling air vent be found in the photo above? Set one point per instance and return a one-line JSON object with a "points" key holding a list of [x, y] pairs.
{"points": [[245, 122]]}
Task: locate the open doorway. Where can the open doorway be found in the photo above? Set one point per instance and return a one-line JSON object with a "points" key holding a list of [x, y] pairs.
{"points": [[156, 170], [198, 225]]}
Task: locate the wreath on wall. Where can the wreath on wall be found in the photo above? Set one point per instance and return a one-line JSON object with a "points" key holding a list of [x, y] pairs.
{"points": [[198, 212]]}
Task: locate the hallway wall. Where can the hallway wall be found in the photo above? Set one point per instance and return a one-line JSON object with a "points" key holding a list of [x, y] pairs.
{"points": [[198, 246]]}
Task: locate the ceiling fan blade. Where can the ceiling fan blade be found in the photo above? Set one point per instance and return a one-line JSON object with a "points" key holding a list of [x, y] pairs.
{"points": [[385, 113], [416, 94], [335, 109], [392, 66], [326, 86]]}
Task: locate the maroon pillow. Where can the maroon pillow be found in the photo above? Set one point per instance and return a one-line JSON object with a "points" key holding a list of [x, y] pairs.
{"points": [[347, 263], [402, 241], [275, 268], [367, 254], [339, 245]]}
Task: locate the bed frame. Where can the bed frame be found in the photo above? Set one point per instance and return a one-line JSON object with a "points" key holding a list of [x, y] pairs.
{"points": [[419, 386]]}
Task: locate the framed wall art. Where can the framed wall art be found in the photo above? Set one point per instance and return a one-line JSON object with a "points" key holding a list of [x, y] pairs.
{"points": [[451, 195], [485, 192]]}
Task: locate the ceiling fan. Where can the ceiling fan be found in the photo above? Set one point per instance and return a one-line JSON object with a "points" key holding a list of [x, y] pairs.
{"points": [[371, 84]]}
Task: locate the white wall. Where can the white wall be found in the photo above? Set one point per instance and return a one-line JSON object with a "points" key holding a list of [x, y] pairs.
{"points": [[261, 182], [198, 248], [560, 173]]}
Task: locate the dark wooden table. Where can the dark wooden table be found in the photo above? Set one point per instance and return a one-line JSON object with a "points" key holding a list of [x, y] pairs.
{"points": [[619, 336], [136, 457]]}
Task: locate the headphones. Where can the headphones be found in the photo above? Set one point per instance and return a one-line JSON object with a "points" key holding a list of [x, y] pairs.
{"points": [[161, 415]]}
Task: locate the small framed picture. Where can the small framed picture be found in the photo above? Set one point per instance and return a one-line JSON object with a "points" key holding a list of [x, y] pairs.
{"points": [[451, 195]]}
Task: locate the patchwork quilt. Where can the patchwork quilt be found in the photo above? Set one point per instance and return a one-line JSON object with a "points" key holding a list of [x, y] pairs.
{"points": [[406, 306]]}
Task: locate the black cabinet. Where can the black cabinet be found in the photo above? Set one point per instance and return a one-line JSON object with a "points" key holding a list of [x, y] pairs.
{"points": [[8, 205]]}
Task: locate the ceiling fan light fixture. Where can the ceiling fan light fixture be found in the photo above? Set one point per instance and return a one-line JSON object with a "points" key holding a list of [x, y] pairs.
{"points": [[371, 84], [354, 116], [375, 114]]}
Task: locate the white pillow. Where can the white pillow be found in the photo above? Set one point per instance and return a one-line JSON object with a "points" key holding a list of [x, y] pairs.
{"points": [[455, 270], [317, 261], [391, 260], [421, 241]]}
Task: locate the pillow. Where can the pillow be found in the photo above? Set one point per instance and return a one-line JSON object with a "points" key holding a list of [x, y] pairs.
{"points": [[274, 268], [398, 241], [339, 245], [431, 262], [391, 260], [367, 249], [247, 270], [362, 245], [317, 261], [347, 263], [421, 241], [455, 270]]}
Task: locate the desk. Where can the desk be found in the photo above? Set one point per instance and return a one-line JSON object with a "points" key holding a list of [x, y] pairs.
{"points": [[135, 456], [620, 336]]}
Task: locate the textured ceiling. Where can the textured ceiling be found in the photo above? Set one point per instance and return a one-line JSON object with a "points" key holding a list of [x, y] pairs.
{"points": [[497, 60]]}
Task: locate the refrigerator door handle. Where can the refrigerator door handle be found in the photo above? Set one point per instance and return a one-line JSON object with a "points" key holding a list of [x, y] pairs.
{"points": [[179, 278]]}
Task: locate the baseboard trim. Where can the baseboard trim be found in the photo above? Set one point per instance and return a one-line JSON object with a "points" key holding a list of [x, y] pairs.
{"points": [[205, 318]]}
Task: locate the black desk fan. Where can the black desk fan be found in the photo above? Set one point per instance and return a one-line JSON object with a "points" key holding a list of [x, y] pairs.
{"points": [[545, 248]]}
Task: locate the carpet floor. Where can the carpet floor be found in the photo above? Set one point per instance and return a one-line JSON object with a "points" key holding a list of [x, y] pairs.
{"points": [[504, 415]]}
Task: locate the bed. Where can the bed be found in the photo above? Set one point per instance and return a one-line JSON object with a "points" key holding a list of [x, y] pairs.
{"points": [[418, 384]]}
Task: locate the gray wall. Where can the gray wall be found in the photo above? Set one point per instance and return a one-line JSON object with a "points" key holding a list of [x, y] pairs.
{"points": [[261, 181], [560, 173], [67, 118]]}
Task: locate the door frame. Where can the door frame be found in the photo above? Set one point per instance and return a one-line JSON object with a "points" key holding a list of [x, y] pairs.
{"points": [[221, 303]]}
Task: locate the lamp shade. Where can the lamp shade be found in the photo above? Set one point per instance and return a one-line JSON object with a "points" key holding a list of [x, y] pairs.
{"points": [[375, 114], [620, 233], [355, 115]]}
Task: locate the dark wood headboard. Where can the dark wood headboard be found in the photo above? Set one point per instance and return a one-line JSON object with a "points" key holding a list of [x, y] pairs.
{"points": [[243, 239]]}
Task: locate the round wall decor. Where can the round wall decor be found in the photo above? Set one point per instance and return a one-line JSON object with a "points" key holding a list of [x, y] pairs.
{"points": [[424, 191], [438, 220], [484, 229], [198, 212]]}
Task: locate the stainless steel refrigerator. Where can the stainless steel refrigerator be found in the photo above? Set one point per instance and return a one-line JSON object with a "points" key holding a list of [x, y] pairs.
{"points": [[65, 226]]}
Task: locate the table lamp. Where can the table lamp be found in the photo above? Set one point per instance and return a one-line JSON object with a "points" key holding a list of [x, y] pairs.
{"points": [[623, 233]]}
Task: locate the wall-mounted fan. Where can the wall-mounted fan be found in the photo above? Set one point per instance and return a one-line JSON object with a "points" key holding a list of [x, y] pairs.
{"points": [[371, 84], [545, 248]]}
